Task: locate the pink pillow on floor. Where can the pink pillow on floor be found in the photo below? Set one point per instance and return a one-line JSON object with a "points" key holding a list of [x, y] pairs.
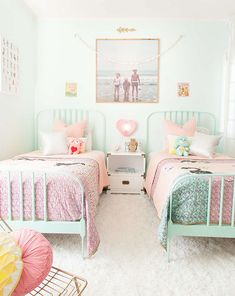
{"points": [[75, 130], [188, 129], [37, 259]]}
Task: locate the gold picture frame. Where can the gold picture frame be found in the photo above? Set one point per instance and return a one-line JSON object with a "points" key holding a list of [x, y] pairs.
{"points": [[127, 70]]}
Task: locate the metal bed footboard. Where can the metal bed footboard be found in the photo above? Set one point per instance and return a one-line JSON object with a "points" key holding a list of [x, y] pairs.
{"points": [[45, 225], [207, 229]]}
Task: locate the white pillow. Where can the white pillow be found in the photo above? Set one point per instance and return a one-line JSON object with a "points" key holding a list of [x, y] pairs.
{"points": [[203, 130], [54, 143], [204, 145], [88, 136]]}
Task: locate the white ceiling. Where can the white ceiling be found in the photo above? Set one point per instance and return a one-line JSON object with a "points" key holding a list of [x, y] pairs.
{"points": [[179, 9]]}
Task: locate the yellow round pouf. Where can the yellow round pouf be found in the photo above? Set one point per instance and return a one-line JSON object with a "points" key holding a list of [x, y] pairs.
{"points": [[11, 264]]}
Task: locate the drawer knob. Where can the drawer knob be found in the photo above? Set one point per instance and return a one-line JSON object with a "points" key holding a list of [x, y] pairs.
{"points": [[125, 182]]}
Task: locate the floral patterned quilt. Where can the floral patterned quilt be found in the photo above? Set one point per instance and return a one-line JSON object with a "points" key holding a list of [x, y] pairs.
{"points": [[63, 193]]}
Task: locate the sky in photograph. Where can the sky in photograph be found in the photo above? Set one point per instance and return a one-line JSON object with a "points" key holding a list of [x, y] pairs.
{"points": [[122, 51]]}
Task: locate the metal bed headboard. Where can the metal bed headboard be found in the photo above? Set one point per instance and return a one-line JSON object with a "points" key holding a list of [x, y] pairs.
{"points": [[155, 133], [95, 119]]}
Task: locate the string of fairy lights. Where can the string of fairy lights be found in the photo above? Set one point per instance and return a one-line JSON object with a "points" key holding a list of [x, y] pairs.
{"points": [[136, 62]]}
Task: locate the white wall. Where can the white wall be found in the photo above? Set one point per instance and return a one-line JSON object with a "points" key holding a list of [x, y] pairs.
{"points": [[18, 24], [198, 58]]}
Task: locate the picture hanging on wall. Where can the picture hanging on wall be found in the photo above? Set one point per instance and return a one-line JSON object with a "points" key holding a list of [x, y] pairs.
{"points": [[183, 89], [9, 67], [71, 89], [127, 70]]}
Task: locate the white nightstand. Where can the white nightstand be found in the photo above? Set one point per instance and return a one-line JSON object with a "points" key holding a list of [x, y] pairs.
{"points": [[126, 172]]}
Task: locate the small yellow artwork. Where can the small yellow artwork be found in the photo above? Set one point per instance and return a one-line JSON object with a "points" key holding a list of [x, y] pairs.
{"points": [[71, 89], [183, 89]]}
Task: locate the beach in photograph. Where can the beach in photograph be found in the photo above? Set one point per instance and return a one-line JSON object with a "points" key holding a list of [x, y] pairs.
{"points": [[148, 87]]}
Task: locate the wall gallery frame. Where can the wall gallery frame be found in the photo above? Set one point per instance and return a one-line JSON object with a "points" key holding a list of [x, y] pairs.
{"points": [[9, 67], [127, 70], [71, 89], [183, 89]]}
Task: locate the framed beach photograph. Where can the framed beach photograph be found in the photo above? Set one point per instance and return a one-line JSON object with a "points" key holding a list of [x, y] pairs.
{"points": [[127, 70]]}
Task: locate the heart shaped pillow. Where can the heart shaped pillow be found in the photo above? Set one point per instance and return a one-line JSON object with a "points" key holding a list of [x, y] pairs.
{"points": [[126, 127]]}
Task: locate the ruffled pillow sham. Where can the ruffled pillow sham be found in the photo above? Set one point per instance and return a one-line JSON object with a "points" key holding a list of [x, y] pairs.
{"points": [[74, 130], [188, 129]]}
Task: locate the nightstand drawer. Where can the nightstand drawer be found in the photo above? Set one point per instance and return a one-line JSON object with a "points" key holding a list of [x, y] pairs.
{"points": [[125, 183]]}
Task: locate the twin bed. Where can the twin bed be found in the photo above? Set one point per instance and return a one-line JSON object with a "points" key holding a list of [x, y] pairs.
{"points": [[194, 196], [58, 193]]}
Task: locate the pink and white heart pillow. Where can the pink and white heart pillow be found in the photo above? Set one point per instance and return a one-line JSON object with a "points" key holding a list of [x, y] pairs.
{"points": [[74, 146]]}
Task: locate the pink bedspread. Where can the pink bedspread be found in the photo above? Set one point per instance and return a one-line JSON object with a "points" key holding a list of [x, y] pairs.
{"points": [[98, 156], [64, 196], [164, 168]]}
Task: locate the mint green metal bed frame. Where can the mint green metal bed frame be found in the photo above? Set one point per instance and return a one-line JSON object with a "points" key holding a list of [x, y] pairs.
{"points": [[43, 122], [208, 121]]}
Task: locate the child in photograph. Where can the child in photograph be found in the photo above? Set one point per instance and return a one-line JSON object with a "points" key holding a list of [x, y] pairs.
{"points": [[135, 82], [117, 83], [126, 88]]}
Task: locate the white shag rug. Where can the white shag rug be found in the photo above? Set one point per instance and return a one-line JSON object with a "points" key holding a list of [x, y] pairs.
{"points": [[131, 262]]}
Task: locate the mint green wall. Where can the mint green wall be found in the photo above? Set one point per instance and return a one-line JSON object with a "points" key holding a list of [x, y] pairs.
{"points": [[198, 58], [18, 24]]}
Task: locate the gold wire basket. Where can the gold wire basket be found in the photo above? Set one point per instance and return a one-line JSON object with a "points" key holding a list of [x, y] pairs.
{"points": [[58, 282]]}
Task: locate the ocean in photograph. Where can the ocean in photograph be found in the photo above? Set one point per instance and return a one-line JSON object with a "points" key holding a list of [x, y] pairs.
{"points": [[148, 88]]}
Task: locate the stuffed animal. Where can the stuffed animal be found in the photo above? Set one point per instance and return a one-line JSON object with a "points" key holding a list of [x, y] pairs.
{"points": [[75, 146], [182, 146]]}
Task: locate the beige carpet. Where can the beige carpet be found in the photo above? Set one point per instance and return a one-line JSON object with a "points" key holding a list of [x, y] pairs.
{"points": [[131, 262]]}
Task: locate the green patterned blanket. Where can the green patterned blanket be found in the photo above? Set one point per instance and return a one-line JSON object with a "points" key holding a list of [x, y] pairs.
{"points": [[190, 195], [189, 205]]}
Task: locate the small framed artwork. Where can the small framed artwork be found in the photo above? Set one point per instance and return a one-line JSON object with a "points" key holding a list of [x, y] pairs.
{"points": [[183, 89], [71, 89], [127, 70]]}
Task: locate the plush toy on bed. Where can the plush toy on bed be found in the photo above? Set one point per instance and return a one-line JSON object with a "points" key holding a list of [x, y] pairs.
{"points": [[182, 146], [74, 146]]}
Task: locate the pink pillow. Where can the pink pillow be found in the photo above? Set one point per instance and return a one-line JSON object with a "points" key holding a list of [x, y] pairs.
{"points": [[37, 259], [75, 130], [188, 129]]}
